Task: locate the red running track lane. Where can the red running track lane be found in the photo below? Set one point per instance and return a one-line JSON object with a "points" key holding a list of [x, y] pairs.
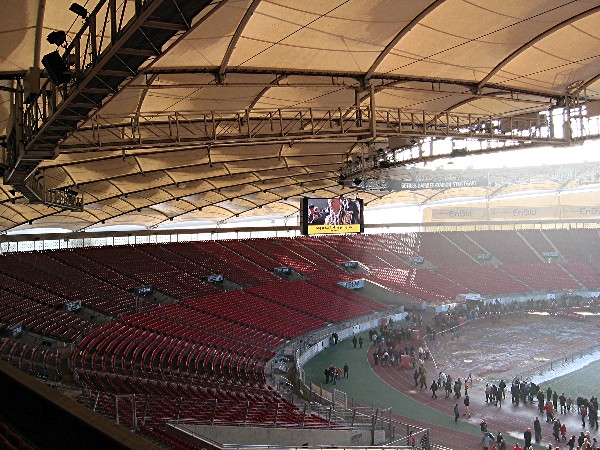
{"points": [[402, 381]]}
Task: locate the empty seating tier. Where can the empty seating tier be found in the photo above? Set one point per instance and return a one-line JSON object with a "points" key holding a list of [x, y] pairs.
{"points": [[507, 246], [221, 260], [204, 356], [258, 313], [421, 285], [485, 280], [311, 300]]}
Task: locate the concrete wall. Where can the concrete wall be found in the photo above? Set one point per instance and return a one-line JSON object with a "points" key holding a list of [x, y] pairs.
{"points": [[343, 334], [279, 436]]}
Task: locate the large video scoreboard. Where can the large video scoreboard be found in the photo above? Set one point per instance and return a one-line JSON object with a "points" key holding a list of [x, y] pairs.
{"points": [[337, 215]]}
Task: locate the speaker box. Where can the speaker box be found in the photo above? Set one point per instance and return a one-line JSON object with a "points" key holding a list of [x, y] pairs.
{"points": [[57, 69]]}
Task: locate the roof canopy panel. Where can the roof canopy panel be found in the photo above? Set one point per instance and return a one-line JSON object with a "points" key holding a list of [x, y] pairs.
{"points": [[563, 58], [447, 39], [259, 101], [320, 35]]}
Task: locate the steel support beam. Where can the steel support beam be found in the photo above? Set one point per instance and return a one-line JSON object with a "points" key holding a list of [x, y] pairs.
{"points": [[49, 118], [234, 40], [294, 124]]}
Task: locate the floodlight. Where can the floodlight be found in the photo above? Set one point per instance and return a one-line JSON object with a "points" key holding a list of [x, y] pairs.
{"points": [[79, 10], [56, 68], [57, 37]]}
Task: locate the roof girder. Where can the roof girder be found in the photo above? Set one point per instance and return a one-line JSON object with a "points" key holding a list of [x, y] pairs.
{"points": [[358, 76], [285, 125], [235, 38]]}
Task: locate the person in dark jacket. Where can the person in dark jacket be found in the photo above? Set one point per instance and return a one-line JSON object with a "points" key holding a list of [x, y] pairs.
{"points": [[537, 429], [527, 437]]}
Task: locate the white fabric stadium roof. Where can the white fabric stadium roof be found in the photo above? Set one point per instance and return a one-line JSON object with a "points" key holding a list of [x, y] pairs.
{"points": [[151, 152]]}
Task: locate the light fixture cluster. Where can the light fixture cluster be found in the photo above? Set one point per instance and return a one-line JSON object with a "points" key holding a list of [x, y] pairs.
{"points": [[57, 66]]}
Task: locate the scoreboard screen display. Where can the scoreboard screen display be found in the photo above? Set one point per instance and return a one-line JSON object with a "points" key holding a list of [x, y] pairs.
{"points": [[337, 215]]}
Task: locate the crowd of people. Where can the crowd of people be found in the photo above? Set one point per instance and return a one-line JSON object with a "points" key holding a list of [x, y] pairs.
{"points": [[334, 374], [395, 345], [550, 403]]}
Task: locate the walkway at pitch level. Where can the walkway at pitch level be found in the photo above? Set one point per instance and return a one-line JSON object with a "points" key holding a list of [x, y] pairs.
{"points": [[393, 387]]}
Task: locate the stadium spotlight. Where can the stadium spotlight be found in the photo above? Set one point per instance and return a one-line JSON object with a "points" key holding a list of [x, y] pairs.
{"points": [[357, 181], [56, 68], [57, 38], [79, 10]]}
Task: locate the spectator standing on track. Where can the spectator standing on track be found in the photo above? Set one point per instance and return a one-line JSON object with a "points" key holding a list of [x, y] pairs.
{"points": [[583, 413], [502, 387], [549, 411], [499, 438], [527, 437], [556, 430], [494, 395], [354, 341], [593, 413], [563, 403], [346, 370], [434, 388], [467, 402], [483, 426], [456, 412], [487, 441], [457, 388], [540, 398], [514, 392], [537, 429], [581, 439], [360, 341], [448, 386], [423, 382]]}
